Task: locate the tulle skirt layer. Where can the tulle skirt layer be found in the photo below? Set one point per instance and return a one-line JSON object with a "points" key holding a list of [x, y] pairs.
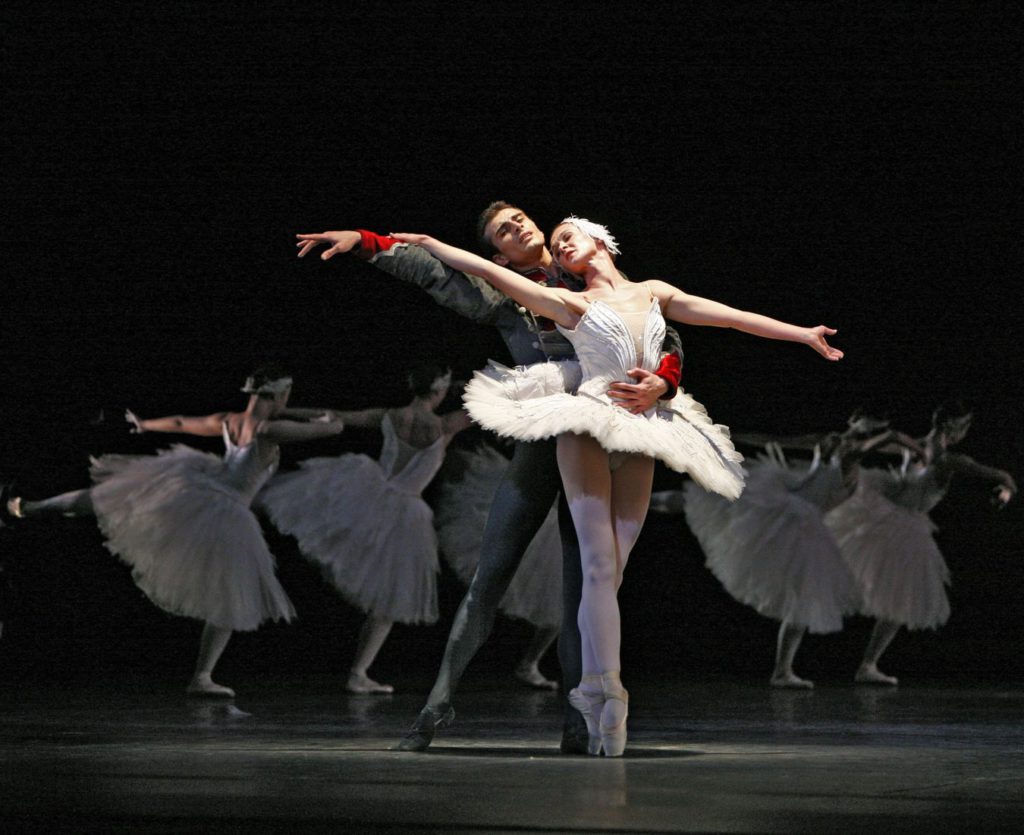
{"points": [[543, 400], [194, 545], [375, 543], [772, 551], [892, 553]]}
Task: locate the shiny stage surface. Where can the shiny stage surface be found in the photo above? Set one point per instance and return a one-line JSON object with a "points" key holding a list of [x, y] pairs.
{"points": [[729, 757]]}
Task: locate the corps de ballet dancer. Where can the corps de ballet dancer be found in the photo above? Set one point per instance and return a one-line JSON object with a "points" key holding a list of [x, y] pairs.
{"points": [[606, 454], [363, 521], [182, 518], [771, 549], [535, 593], [887, 537]]}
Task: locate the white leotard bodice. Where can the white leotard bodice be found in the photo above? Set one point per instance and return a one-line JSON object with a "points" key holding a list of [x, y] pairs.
{"points": [[407, 467], [609, 343], [247, 467], [915, 488]]}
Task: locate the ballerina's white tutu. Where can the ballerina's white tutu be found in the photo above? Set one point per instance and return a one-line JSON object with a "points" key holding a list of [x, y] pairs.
{"points": [[182, 520], [552, 398], [535, 593], [771, 549], [365, 524], [887, 538]]}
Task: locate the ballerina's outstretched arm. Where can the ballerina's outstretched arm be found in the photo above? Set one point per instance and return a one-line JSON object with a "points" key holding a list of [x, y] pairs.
{"points": [[550, 302], [695, 310], [207, 425]]}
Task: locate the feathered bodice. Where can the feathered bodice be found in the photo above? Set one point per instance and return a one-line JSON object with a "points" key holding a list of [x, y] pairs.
{"points": [[408, 468], [247, 467], [609, 343]]}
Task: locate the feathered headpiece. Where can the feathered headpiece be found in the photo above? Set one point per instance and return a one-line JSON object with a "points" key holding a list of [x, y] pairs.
{"points": [[597, 231]]}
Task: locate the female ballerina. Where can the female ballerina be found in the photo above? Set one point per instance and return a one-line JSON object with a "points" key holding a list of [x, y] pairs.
{"points": [[363, 521], [606, 454], [887, 537], [771, 549], [535, 593], [182, 519]]}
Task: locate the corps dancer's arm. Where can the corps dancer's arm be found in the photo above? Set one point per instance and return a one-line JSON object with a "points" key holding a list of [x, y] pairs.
{"points": [[466, 295], [695, 310], [366, 418], [759, 439], [1006, 487], [550, 302], [453, 423], [291, 431], [207, 426]]}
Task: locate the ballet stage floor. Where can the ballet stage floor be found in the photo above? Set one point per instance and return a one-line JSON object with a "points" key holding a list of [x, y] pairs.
{"points": [[722, 757]]}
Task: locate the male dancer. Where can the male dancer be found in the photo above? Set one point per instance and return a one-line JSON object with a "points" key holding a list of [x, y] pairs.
{"points": [[532, 482]]}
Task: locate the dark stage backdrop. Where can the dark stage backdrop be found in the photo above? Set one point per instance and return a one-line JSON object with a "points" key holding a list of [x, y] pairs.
{"points": [[848, 163]]}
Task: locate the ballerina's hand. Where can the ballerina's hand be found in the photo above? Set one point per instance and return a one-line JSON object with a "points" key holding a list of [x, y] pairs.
{"points": [[136, 423], [816, 340], [337, 242], [410, 237]]}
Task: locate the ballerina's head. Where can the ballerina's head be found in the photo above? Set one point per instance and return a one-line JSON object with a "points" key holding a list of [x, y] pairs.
{"points": [[576, 241]]}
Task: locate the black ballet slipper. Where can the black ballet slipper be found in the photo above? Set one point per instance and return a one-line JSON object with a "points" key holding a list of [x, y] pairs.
{"points": [[421, 734]]}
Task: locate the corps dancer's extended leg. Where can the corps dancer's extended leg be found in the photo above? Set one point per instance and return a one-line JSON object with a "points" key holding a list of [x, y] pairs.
{"points": [[372, 635], [881, 636], [211, 646], [521, 503], [788, 643], [74, 503]]}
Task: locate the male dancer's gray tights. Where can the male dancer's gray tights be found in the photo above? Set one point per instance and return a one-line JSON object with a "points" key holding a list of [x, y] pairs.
{"points": [[521, 503]]}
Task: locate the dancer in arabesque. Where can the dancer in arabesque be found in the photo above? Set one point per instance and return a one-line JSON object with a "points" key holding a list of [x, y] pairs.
{"points": [[887, 537], [606, 454], [182, 518], [363, 521]]}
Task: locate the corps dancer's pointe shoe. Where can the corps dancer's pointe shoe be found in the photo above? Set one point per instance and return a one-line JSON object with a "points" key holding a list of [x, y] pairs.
{"points": [[792, 681], [362, 683], [870, 674], [203, 685], [421, 734], [530, 674], [613, 715], [10, 505], [588, 699], [575, 737]]}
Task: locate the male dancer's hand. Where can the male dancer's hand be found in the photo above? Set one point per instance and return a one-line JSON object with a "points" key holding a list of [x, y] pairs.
{"points": [[640, 396], [337, 242]]}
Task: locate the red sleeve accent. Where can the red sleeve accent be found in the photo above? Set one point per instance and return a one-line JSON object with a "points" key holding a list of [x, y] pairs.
{"points": [[370, 243], [671, 371]]}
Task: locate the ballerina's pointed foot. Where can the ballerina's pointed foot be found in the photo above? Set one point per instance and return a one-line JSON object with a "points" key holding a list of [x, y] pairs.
{"points": [[613, 716], [362, 683], [203, 685], [870, 674], [588, 699], [421, 734], [791, 681], [531, 675]]}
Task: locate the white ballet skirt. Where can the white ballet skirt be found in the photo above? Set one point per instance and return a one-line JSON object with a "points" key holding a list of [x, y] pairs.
{"points": [[535, 593], [887, 538], [182, 520], [548, 399], [365, 524], [771, 549]]}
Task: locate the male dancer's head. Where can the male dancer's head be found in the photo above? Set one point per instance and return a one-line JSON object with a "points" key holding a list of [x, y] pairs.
{"points": [[510, 238]]}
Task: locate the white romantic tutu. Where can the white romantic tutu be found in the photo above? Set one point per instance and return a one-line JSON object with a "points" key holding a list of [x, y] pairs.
{"points": [[194, 545], [535, 593], [543, 400], [771, 550], [894, 559], [374, 541]]}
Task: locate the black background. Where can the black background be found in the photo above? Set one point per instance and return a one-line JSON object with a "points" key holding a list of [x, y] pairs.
{"points": [[855, 164]]}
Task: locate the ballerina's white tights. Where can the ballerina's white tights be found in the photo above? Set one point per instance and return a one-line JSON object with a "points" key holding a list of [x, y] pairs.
{"points": [[608, 508]]}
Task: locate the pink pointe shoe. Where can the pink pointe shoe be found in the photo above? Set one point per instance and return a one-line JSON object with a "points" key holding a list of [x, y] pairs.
{"points": [[588, 699], [613, 715]]}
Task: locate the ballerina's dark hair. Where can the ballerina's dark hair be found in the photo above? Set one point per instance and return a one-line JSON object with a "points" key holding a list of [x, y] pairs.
{"points": [[424, 375]]}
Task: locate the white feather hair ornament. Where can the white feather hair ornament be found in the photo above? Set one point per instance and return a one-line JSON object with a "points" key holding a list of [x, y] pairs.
{"points": [[597, 231]]}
